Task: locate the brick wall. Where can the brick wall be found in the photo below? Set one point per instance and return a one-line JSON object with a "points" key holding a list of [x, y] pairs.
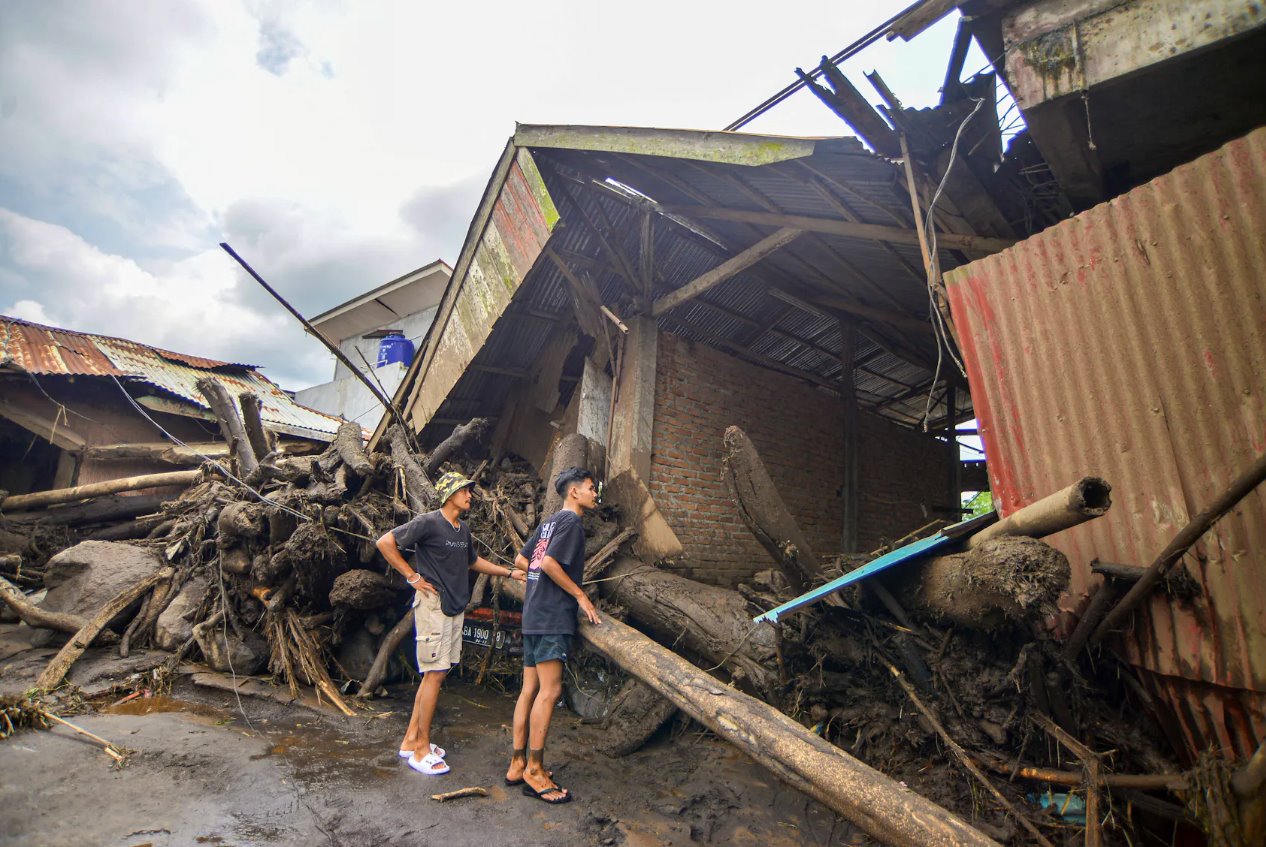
{"points": [[796, 427]]}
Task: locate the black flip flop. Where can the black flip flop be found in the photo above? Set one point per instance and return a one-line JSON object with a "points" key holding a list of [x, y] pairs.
{"points": [[529, 791]]}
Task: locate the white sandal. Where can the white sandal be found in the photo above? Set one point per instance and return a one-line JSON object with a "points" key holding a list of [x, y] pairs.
{"points": [[439, 751], [431, 765]]}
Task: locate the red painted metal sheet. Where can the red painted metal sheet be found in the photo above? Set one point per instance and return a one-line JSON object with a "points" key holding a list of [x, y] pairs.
{"points": [[1130, 342]]}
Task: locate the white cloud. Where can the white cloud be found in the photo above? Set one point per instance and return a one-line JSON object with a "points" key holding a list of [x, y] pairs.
{"points": [[337, 145]]}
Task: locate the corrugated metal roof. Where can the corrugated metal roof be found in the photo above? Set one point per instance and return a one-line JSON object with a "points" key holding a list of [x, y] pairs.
{"points": [[1130, 343], [45, 350], [586, 171]]}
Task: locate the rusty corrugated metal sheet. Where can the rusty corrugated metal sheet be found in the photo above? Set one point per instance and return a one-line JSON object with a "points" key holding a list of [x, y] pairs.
{"points": [[44, 350], [1130, 342]]}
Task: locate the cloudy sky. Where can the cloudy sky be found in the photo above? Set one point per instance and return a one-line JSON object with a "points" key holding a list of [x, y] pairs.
{"points": [[337, 145]]}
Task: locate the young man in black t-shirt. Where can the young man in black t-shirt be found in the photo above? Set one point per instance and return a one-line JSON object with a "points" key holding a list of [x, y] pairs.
{"points": [[442, 556], [554, 558]]}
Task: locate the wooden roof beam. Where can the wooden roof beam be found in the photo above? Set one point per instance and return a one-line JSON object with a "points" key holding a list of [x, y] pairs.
{"points": [[846, 229], [729, 268]]}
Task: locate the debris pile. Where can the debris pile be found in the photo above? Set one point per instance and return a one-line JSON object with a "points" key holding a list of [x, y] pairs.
{"points": [[940, 677]]}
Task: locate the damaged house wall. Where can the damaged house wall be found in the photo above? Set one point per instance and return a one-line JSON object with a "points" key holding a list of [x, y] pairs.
{"points": [[797, 427], [1128, 343]]}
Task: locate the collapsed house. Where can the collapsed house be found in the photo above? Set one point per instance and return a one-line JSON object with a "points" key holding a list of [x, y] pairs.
{"points": [[119, 418]]}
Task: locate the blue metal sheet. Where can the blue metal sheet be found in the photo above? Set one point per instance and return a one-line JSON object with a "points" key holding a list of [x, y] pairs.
{"points": [[915, 550]]}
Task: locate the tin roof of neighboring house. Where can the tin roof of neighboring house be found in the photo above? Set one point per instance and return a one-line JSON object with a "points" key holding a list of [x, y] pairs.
{"points": [[53, 351]]}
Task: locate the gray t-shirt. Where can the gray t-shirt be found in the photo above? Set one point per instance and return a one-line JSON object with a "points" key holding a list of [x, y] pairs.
{"points": [[442, 554], [548, 609]]}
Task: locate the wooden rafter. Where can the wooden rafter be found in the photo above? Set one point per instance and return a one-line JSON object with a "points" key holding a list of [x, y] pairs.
{"points": [[730, 267], [616, 257], [847, 229]]}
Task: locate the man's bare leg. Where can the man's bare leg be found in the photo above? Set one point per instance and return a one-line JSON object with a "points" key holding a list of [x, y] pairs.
{"points": [[418, 736], [522, 709], [550, 681]]}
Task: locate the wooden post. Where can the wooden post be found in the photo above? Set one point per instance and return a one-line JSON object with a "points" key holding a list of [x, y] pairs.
{"points": [[954, 482]]}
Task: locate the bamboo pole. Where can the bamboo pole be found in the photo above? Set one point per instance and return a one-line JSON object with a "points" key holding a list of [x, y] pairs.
{"points": [[20, 502]]}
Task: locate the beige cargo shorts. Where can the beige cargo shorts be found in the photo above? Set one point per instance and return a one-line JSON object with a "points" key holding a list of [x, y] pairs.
{"points": [[438, 637]]}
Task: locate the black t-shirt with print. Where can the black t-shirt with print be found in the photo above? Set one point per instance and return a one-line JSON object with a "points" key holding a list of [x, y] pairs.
{"points": [[442, 554], [548, 609]]}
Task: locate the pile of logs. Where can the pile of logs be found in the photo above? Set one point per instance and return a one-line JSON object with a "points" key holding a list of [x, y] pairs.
{"points": [[948, 654]]}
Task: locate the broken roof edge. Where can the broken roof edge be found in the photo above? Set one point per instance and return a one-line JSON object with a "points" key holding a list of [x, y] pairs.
{"points": [[386, 288], [732, 148], [405, 392]]}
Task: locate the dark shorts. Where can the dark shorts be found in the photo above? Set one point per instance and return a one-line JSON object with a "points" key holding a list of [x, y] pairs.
{"points": [[545, 648]]}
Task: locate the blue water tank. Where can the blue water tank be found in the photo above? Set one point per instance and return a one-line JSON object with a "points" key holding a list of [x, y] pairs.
{"points": [[395, 348]]}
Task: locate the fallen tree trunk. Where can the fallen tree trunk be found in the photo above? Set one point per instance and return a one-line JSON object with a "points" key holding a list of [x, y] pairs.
{"points": [[635, 714], [351, 448], [253, 423], [390, 641], [418, 489], [710, 622], [1008, 577], [138, 528], [881, 806], [1084, 500], [100, 510], [217, 397], [55, 672], [764, 512], [461, 434], [20, 502], [571, 451], [191, 455]]}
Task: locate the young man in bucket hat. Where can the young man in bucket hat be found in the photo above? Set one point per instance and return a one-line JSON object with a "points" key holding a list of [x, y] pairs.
{"points": [[554, 557], [442, 556]]}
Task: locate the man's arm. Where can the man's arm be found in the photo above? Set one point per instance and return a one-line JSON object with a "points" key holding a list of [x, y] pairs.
{"points": [[391, 552], [551, 568], [482, 565], [521, 563]]}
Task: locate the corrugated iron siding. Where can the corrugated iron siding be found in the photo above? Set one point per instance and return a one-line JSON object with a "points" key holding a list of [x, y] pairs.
{"points": [[1130, 342], [44, 350]]}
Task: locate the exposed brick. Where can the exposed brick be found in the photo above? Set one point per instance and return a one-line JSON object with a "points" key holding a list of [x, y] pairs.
{"points": [[797, 428]]}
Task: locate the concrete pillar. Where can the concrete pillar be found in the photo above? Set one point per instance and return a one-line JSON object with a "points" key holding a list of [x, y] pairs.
{"points": [[633, 423]]}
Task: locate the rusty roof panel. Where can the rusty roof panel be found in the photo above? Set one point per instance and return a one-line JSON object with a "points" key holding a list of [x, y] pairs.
{"points": [[44, 350], [1129, 342]]}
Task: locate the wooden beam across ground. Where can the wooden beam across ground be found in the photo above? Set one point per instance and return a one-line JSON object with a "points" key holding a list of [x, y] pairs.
{"points": [[847, 229], [729, 268]]}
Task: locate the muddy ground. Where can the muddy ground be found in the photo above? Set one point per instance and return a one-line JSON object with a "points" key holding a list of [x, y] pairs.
{"points": [[208, 771]]}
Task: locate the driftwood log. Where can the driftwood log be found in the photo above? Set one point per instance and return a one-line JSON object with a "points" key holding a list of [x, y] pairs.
{"points": [[253, 423], [418, 488], [764, 512], [571, 451], [57, 668], [190, 455], [446, 448], [710, 622], [635, 713], [1086, 499], [34, 616], [18, 502], [231, 428], [351, 448], [883, 807], [99, 510]]}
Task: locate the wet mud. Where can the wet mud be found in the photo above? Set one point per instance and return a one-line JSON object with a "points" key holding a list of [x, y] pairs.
{"points": [[205, 771]]}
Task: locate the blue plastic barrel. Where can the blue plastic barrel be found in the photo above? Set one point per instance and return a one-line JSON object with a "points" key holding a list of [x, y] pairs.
{"points": [[394, 348]]}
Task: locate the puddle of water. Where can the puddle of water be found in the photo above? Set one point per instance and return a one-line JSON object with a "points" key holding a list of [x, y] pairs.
{"points": [[161, 704]]}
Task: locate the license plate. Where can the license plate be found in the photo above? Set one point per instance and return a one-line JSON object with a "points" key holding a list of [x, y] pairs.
{"points": [[481, 635]]}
